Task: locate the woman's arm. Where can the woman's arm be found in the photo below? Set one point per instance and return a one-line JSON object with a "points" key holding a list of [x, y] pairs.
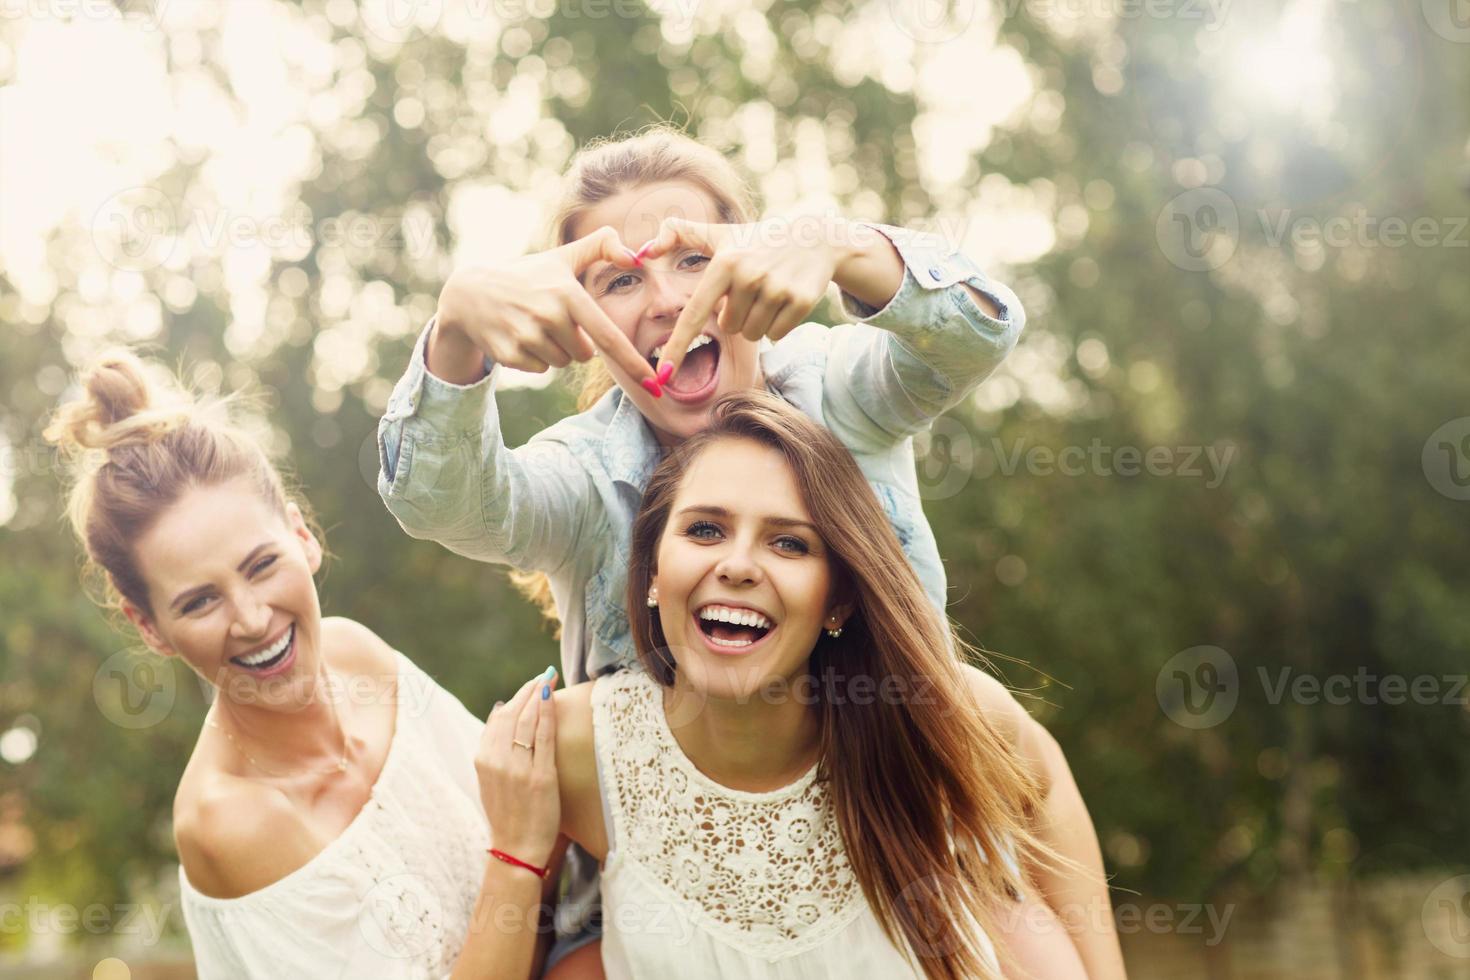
{"points": [[504, 939], [1078, 898], [1081, 900], [512, 918], [447, 475], [445, 471], [871, 270], [576, 770], [1034, 942], [942, 328], [516, 768]]}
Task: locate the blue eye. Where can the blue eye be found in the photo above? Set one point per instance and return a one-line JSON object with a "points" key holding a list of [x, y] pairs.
{"points": [[615, 283], [697, 260], [690, 531], [266, 563], [193, 604]]}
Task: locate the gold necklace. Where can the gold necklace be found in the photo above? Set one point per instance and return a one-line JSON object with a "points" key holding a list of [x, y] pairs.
{"points": [[340, 767]]}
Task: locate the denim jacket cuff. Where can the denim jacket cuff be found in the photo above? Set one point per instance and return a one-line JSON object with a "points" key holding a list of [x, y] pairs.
{"points": [[446, 407], [929, 265]]}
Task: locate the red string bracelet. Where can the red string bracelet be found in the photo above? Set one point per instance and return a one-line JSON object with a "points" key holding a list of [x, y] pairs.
{"points": [[508, 859]]}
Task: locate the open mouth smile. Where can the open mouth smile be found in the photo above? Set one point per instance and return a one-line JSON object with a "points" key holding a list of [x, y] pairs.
{"points": [[699, 373], [731, 632], [271, 659]]}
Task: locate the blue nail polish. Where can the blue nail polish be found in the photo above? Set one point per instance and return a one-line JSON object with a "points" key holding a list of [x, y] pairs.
{"points": [[545, 691], [550, 673]]}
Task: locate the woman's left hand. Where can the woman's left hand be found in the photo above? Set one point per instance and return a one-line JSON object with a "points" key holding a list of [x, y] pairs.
{"points": [[516, 766], [770, 273]]}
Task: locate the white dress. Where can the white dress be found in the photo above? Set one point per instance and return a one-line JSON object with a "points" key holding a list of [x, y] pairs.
{"points": [[392, 896], [704, 881]]}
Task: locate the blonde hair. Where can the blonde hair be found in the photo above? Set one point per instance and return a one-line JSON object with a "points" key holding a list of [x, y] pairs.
{"points": [[135, 445], [602, 169]]}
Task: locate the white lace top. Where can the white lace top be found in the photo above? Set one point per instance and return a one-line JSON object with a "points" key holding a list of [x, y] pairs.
{"points": [[706, 881], [391, 897]]}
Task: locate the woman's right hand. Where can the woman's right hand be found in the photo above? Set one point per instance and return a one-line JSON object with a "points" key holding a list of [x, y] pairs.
{"points": [[533, 313], [518, 785]]}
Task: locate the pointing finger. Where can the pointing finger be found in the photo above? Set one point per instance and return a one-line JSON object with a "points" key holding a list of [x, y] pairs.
{"points": [[693, 318], [609, 339]]}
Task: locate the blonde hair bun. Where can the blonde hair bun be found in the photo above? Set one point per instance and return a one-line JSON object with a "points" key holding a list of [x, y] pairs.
{"points": [[120, 405]]}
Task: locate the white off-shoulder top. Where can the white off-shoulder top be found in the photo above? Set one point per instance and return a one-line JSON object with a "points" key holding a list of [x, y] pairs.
{"points": [[392, 896]]}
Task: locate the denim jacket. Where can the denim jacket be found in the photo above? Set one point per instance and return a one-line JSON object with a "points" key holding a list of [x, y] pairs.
{"points": [[564, 503]]}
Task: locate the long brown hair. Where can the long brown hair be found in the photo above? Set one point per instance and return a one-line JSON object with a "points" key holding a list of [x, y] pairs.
{"points": [[136, 440], [602, 169], [924, 786]]}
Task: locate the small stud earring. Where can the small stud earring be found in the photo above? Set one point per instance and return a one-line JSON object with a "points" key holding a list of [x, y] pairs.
{"points": [[652, 601]]}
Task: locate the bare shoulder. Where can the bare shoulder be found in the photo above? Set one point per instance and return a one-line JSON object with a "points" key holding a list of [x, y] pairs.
{"points": [[235, 835], [355, 639], [356, 648], [1027, 736], [576, 768], [573, 726], [997, 703]]}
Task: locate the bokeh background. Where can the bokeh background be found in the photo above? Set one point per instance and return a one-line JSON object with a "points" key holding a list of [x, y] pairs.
{"points": [[1214, 506]]}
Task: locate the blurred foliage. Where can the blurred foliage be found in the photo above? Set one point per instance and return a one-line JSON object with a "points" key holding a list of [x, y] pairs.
{"points": [[1324, 548]]}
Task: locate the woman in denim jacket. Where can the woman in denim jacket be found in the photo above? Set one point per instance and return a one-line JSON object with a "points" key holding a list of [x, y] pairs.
{"points": [[930, 327]]}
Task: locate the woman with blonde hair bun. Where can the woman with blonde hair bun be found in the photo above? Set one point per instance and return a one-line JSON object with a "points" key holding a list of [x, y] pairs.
{"points": [[340, 810]]}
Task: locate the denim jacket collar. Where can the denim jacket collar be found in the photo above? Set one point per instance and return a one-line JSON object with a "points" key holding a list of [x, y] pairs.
{"points": [[629, 449]]}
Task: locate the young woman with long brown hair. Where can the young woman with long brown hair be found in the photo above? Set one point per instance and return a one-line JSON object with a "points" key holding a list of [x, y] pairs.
{"points": [[799, 779]]}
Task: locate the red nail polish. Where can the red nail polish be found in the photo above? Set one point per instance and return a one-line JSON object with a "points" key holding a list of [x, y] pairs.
{"points": [[652, 387], [643, 250], [637, 259], [664, 373]]}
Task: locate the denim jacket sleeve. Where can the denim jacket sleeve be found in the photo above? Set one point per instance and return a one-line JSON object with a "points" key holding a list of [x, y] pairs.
{"points": [[934, 345], [446, 474]]}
